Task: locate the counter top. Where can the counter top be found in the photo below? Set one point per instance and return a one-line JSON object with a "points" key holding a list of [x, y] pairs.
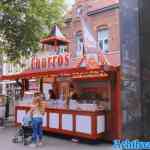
{"points": [[63, 109], [74, 123]]}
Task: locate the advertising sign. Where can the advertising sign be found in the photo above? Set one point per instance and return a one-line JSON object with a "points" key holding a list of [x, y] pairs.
{"points": [[50, 62]]}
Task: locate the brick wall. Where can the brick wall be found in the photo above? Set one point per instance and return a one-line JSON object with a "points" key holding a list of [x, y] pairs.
{"points": [[108, 18]]}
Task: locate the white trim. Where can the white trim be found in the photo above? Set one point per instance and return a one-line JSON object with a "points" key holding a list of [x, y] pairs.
{"points": [[7, 82]]}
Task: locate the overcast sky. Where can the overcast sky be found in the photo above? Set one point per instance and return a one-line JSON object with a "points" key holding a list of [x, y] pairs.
{"points": [[70, 2]]}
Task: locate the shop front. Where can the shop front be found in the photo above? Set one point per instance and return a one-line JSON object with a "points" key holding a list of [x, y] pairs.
{"points": [[85, 102], [87, 93]]}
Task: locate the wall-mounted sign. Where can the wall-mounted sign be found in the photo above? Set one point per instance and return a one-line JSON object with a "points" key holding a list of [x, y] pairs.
{"points": [[53, 61]]}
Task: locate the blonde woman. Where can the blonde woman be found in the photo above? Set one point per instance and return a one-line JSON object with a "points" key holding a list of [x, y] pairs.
{"points": [[37, 111]]}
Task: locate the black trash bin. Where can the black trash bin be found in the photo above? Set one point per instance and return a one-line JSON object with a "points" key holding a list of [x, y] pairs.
{"points": [[7, 107]]}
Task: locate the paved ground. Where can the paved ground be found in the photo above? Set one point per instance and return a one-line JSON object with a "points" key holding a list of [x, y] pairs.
{"points": [[50, 143]]}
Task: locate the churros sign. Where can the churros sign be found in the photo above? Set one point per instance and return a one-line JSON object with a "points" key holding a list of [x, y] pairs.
{"points": [[54, 61]]}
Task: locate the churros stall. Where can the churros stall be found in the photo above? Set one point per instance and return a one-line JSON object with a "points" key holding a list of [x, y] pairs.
{"points": [[87, 103]]}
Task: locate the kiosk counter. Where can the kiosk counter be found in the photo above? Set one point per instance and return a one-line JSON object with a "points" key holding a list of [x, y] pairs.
{"points": [[75, 123]]}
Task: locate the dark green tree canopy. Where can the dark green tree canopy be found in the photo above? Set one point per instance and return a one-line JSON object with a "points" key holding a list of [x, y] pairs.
{"points": [[24, 22]]}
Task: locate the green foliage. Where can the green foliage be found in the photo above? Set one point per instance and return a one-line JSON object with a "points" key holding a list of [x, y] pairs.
{"points": [[24, 22]]}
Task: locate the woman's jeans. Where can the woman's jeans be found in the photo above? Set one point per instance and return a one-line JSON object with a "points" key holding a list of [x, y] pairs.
{"points": [[37, 129]]}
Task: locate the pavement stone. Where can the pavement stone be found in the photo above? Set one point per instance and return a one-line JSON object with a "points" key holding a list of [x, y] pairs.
{"points": [[50, 143]]}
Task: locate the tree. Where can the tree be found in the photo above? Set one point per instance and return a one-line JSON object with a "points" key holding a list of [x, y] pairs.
{"points": [[24, 22]]}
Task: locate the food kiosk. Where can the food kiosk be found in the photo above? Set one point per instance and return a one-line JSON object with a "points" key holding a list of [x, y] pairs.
{"points": [[83, 117], [94, 112]]}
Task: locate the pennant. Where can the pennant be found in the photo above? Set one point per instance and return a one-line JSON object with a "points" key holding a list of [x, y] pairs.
{"points": [[103, 59], [56, 32], [59, 33]]}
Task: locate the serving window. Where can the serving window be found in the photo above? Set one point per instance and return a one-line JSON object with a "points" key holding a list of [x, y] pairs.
{"points": [[94, 92]]}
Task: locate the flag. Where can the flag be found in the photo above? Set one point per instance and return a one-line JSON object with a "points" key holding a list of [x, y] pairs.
{"points": [[90, 44], [89, 40]]}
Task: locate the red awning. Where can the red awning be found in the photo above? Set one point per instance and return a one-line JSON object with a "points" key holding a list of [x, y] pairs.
{"points": [[54, 40], [56, 72]]}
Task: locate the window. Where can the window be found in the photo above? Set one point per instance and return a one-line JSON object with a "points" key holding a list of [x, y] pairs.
{"points": [[9, 68], [62, 50], [79, 11], [1, 89], [1, 68], [103, 42], [79, 45]]}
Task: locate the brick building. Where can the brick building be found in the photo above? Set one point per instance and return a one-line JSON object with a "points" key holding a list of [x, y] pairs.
{"points": [[102, 16]]}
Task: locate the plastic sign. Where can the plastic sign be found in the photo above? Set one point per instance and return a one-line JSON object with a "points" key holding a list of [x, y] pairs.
{"points": [[54, 61]]}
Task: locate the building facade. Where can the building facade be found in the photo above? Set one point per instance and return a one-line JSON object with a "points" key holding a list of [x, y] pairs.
{"points": [[103, 18]]}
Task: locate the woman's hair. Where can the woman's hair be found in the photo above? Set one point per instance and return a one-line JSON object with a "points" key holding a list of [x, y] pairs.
{"points": [[71, 86], [27, 110], [75, 96], [37, 94], [38, 102]]}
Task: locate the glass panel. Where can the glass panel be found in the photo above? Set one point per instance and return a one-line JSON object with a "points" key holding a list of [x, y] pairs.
{"points": [[79, 45], [103, 36]]}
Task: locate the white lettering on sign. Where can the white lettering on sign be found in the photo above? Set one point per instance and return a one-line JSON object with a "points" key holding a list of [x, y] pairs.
{"points": [[51, 61]]}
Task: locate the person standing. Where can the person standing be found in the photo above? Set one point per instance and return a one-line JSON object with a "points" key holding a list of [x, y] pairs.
{"points": [[51, 95], [37, 111], [52, 98]]}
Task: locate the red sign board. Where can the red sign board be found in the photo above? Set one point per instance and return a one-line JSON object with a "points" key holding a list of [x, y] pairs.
{"points": [[51, 61]]}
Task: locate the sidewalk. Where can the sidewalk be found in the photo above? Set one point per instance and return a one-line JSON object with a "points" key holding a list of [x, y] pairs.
{"points": [[51, 143]]}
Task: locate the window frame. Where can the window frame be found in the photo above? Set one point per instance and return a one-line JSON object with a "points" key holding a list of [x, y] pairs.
{"points": [[100, 29], [80, 34], [78, 10]]}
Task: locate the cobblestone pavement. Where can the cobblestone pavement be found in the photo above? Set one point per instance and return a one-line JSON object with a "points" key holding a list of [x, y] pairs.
{"points": [[50, 143]]}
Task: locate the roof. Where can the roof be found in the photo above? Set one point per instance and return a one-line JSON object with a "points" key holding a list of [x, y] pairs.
{"points": [[56, 72], [99, 4], [52, 40], [55, 38]]}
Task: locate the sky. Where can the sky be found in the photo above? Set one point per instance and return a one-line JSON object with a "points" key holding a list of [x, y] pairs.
{"points": [[70, 2]]}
